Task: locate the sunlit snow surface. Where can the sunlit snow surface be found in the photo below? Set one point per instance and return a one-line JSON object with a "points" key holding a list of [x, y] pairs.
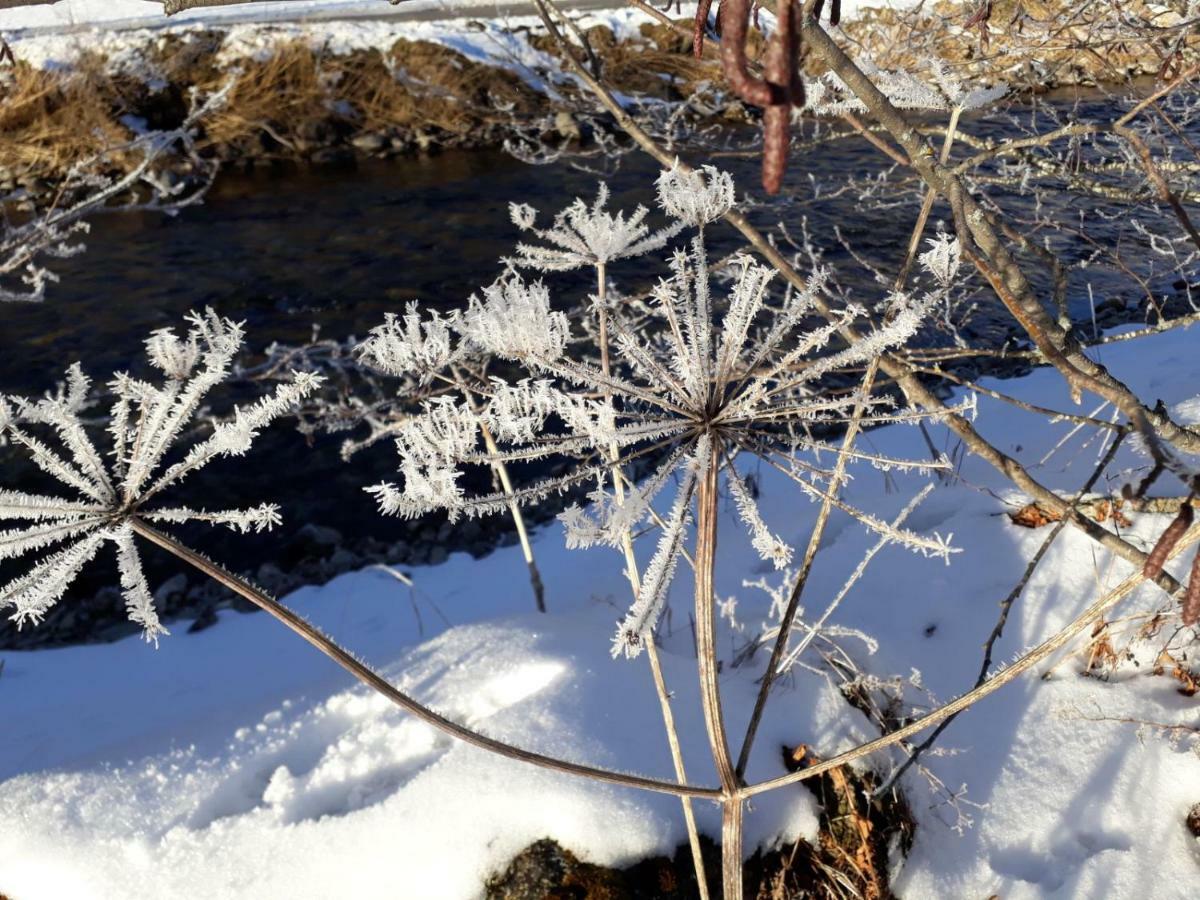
{"points": [[70, 13], [482, 30], [240, 762]]}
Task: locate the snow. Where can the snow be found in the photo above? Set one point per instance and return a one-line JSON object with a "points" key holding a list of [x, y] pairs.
{"points": [[49, 36], [238, 759], [75, 13], [67, 14]]}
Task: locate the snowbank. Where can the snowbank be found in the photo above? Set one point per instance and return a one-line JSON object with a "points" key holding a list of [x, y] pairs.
{"points": [[482, 30], [67, 14], [239, 762]]}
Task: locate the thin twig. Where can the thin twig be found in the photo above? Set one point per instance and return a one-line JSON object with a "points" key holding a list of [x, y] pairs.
{"points": [[993, 684], [1005, 608]]}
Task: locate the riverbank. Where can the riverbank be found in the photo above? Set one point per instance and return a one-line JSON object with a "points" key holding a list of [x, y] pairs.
{"points": [[329, 91]]}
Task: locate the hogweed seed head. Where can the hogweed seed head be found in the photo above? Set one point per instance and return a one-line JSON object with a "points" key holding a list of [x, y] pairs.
{"points": [[583, 236], [146, 422], [699, 382]]}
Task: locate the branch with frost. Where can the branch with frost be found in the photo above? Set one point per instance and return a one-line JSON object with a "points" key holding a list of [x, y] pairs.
{"points": [[939, 90], [89, 188], [110, 490]]}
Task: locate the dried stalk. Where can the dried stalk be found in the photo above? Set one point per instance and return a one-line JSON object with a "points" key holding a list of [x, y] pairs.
{"points": [[1006, 606], [991, 685], [814, 542], [501, 470], [378, 683], [635, 583], [710, 691]]}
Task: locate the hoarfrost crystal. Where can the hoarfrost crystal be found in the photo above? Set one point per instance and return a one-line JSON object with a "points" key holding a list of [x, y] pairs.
{"points": [[146, 422]]}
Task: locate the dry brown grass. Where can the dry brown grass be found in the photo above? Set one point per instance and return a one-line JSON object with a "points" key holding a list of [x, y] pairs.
{"points": [[288, 103], [50, 119], [299, 98], [276, 95], [658, 65]]}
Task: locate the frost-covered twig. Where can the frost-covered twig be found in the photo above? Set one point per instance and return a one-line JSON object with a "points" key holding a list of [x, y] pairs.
{"points": [[1006, 605], [89, 188]]}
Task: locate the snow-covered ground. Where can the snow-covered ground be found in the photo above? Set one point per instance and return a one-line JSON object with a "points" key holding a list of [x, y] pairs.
{"points": [[70, 14], [236, 762], [491, 31], [66, 14]]}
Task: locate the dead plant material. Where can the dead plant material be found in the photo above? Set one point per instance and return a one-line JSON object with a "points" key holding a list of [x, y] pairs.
{"points": [[857, 830], [49, 118], [1102, 656], [287, 103], [660, 65], [276, 96], [849, 861], [1189, 681], [1033, 515], [1036, 44]]}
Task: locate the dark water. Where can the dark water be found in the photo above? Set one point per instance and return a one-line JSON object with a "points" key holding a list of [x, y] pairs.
{"points": [[337, 248], [296, 247]]}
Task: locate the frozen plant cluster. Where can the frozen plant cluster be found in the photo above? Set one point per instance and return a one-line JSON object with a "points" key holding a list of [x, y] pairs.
{"points": [[111, 496], [583, 235], [941, 90], [711, 378]]}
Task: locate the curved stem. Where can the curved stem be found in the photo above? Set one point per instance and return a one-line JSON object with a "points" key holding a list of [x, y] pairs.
{"points": [[514, 508], [810, 554], [377, 682]]}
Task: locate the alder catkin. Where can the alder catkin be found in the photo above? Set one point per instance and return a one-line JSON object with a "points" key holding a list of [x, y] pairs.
{"points": [[1191, 598], [1166, 543]]}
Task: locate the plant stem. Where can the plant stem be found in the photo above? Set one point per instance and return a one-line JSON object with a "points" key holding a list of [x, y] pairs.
{"points": [[710, 692], [810, 554], [501, 470], [635, 583], [914, 243], [1004, 676], [535, 577], [1006, 606], [852, 430], [378, 683]]}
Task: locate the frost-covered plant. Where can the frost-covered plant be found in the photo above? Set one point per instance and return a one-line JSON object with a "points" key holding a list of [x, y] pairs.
{"points": [[711, 379], [942, 259], [690, 398], [583, 235], [112, 497], [428, 349], [694, 197], [90, 186], [940, 90]]}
